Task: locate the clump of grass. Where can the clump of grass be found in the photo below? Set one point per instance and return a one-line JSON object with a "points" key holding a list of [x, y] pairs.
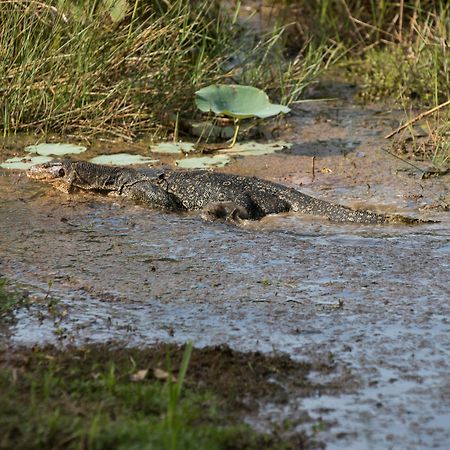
{"points": [[10, 301], [78, 67], [438, 148], [86, 398], [432, 146], [393, 49], [415, 69], [68, 67]]}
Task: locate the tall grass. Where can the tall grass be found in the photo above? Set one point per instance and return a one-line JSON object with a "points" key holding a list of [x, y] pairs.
{"points": [[77, 67], [173, 423], [396, 52], [398, 49], [416, 66], [67, 68]]}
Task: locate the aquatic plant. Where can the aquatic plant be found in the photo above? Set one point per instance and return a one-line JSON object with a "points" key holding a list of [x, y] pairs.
{"points": [[238, 102]]}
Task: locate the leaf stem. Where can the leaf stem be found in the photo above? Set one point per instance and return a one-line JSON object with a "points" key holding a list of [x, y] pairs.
{"points": [[237, 124]]}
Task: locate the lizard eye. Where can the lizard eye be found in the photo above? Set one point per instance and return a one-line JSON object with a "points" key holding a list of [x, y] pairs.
{"points": [[61, 172]]}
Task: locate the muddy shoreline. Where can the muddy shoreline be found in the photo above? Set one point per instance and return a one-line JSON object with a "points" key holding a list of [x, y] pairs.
{"points": [[371, 301]]}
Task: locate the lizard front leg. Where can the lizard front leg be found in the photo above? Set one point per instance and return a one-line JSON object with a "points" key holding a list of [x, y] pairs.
{"points": [[152, 196]]}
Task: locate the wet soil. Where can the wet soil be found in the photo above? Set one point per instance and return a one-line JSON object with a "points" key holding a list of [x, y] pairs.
{"points": [[373, 301]]}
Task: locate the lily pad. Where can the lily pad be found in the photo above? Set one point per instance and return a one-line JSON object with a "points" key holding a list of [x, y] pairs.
{"points": [[59, 149], [24, 163], [122, 159], [237, 101], [203, 162], [173, 147], [257, 148]]}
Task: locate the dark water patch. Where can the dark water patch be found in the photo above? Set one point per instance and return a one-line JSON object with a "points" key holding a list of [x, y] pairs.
{"points": [[332, 147]]}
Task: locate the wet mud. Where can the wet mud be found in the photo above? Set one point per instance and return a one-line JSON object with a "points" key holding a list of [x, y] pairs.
{"points": [[372, 301]]}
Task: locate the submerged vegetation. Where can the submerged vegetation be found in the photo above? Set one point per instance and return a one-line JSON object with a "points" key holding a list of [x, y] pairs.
{"points": [[10, 301]]}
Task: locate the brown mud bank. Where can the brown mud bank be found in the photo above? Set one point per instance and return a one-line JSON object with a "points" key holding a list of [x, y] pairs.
{"points": [[370, 300]]}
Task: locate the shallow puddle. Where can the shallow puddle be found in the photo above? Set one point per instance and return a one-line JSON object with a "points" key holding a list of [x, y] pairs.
{"points": [[375, 299]]}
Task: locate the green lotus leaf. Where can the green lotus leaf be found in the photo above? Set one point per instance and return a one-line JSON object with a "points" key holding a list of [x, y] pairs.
{"points": [[239, 102], [173, 147], [122, 159], [258, 148], [58, 149], [24, 163], [202, 162]]}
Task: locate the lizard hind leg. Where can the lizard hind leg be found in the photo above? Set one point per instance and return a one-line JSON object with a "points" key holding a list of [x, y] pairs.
{"points": [[243, 207], [228, 211]]}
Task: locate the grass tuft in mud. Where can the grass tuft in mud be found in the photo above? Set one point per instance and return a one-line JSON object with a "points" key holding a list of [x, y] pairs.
{"points": [[430, 142], [10, 300], [99, 398]]}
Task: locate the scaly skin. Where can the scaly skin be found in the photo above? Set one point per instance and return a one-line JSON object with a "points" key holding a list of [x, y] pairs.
{"points": [[218, 195]]}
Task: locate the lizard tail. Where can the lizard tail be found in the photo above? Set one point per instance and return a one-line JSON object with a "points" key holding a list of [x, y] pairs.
{"points": [[337, 213]]}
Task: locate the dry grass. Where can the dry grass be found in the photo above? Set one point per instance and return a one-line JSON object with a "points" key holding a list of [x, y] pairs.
{"points": [[396, 52], [83, 73], [68, 67]]}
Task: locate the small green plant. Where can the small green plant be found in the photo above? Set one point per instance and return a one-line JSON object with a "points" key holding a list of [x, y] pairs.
{"points": [[10, 300], [7, 301], [172, 421], [237, 102]]}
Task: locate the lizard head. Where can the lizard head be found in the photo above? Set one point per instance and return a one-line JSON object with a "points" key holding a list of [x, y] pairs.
{"points": [[59, 173]]}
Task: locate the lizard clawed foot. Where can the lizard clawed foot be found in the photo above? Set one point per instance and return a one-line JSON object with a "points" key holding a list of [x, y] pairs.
{"points": [[227, 211]]}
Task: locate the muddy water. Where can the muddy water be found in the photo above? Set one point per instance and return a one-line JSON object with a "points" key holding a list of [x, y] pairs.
{"points": [[373, 299]]}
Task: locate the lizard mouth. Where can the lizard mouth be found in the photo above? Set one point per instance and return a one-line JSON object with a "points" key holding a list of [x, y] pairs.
{"points": [[47, 172]]}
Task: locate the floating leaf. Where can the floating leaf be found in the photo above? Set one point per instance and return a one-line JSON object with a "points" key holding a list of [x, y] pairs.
{"points": [[257, 148], [25, 162], [236, 101], [122, 159], [59, 149], [173, 147], [202, 162]]}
